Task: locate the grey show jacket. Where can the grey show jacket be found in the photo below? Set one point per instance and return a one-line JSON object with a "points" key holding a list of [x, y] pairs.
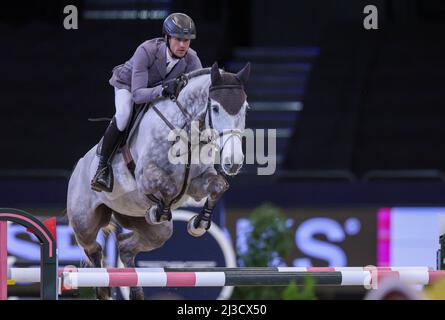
{"points": [[147, 67]]}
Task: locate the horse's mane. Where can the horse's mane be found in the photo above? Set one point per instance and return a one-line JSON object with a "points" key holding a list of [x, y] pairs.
{"points": [[195, 94]]}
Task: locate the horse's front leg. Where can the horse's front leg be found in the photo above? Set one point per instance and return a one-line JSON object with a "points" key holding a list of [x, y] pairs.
{"points": [[160, 188], [213, 186]]}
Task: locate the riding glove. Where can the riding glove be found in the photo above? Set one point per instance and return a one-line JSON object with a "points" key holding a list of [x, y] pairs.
{"points": [[170, 88]]}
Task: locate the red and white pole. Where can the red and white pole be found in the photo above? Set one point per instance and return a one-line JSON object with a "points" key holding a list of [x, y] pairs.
{"points": [[3, 261]]}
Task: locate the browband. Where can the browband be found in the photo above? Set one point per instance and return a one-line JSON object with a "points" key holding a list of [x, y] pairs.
{"points": [[226, 86]]}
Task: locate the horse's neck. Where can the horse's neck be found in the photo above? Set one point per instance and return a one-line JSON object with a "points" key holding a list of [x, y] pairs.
{"points": [[193, 98]]}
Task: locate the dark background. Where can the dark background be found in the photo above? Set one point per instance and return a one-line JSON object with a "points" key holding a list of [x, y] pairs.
{"points": [[370, 123]]}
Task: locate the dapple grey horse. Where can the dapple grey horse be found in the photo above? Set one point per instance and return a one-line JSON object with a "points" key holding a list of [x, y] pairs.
{"points": [[142, 202]]}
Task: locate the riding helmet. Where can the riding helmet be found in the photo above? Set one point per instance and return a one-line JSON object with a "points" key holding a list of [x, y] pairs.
{"points": [[179, 25]]}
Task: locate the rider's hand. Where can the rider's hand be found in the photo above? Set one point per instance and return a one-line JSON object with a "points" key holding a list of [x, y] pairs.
{"points": [[169, 89]]}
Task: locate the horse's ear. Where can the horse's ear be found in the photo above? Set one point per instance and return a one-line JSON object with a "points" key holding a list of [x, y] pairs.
{"points": [[215, 75], [243, 74]]}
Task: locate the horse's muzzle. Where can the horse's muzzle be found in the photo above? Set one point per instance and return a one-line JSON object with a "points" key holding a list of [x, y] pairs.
{"points": [[231, 169]]}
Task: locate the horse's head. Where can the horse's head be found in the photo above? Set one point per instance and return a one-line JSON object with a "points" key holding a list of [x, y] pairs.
{"points": [[226, 114]]}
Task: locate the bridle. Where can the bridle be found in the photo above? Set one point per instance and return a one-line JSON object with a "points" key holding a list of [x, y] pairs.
{"points": [[231, 132]]}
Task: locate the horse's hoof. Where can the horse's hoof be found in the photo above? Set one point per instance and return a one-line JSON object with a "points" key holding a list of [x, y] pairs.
{"points": [[164, 215], [150, 215], [137, 294], [195, 232], [103, 293]]}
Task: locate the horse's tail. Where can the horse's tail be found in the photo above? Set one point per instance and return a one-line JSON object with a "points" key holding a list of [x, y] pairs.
{"points": [[107, 231], [110, 228]]}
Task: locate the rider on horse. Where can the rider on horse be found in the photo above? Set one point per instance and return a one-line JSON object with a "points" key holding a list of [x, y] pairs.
{"points": [[142, 79]]}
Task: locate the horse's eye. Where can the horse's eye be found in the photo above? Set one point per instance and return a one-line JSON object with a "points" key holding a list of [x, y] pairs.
{"points": [[215, 108]]}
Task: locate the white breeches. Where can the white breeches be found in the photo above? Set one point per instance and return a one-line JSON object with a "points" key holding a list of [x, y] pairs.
{"points": [[124, 104]]}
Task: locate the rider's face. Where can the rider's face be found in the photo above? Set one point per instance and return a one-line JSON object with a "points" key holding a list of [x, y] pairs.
{"points": [[179, 47]]}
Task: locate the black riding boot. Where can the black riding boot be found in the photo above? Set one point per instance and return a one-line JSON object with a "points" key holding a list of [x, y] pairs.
{"points": [[103, 179]]}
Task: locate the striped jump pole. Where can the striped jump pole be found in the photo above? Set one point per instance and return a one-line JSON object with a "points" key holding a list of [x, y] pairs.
{"points": [[209, 279], [33, 274], [216, 277], [234, 278]]}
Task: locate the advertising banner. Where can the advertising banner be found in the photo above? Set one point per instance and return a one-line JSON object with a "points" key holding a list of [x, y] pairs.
{"points": [[322, 236]]}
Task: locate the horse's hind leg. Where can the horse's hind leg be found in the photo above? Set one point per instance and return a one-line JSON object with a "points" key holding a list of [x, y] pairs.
{"points": [[86, 226], [143, 237]]}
